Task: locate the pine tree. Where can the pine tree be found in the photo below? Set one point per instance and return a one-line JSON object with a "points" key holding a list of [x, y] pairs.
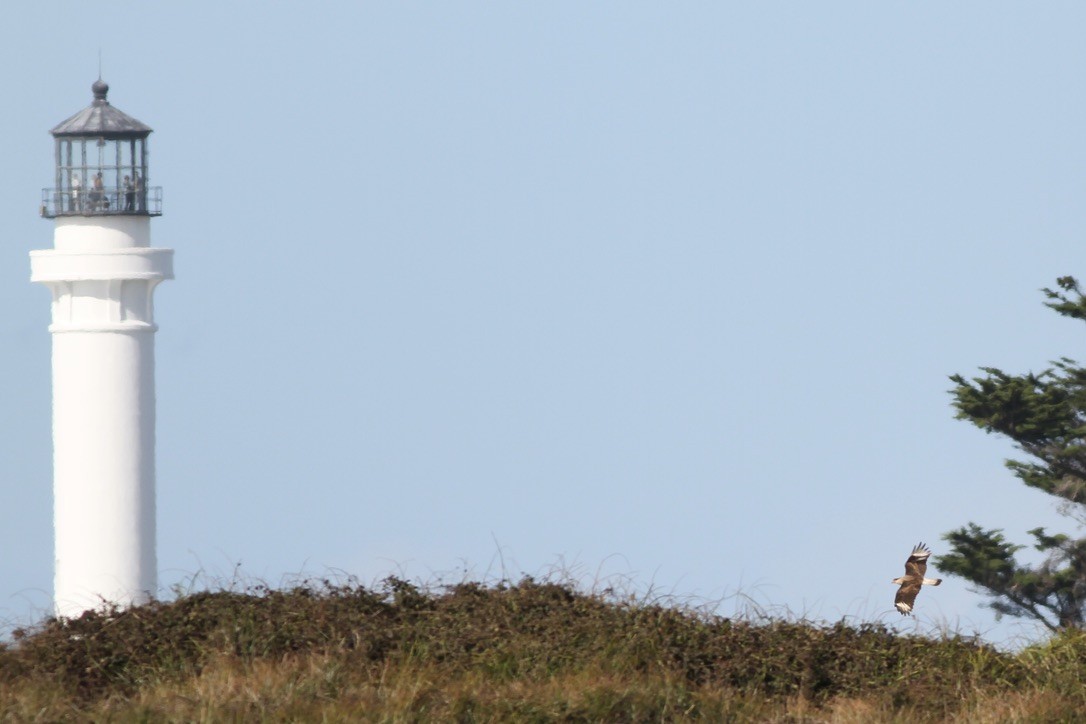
{"points": [[1045, 415]]}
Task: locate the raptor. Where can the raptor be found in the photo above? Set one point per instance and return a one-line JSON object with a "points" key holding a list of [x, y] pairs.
{"points": [[909, 584]]}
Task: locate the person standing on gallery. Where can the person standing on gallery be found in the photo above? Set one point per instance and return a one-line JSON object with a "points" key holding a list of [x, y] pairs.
{"points": [[77, 187], [98, 192], [129, 194]]}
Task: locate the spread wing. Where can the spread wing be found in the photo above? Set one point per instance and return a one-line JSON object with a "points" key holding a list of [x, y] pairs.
{"points": [[917, 565], [903, 601]]}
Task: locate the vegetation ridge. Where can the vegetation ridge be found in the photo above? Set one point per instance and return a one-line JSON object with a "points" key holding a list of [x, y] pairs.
{"points": [[529, 651]]}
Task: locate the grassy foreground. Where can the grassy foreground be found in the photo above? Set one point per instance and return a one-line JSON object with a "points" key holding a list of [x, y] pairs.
{"points": [[501, 652]]}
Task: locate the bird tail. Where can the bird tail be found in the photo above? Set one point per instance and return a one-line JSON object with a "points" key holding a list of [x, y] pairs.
{"points": [[932, 581]]}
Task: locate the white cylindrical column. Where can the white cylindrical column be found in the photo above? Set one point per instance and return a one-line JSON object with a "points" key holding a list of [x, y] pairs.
{"points": [[102, 274]]}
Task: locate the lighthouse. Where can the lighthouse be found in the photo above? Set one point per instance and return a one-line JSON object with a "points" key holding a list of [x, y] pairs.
{"points": [[102, 272]]}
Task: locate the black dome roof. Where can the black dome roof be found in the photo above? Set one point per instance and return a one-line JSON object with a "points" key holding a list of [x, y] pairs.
{"points": [[102, 120]]}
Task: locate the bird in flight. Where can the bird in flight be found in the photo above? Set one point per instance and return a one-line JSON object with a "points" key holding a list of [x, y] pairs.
{"points": [[915, 568]]}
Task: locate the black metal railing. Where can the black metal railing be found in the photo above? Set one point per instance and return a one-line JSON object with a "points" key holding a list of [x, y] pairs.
{"points": [[112, 202]]}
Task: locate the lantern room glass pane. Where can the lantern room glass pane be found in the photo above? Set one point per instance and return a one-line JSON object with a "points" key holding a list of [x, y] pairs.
{"points": [[102, 175]]}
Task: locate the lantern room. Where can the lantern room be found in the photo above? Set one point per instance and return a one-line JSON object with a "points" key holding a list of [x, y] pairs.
{"points": [[101, 164]]}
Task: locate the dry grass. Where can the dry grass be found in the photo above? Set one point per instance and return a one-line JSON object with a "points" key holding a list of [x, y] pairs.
{"points": [[526, 652]]}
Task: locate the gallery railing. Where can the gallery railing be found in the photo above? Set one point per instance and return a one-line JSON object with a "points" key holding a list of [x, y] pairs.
{"points": [[68, 202]]}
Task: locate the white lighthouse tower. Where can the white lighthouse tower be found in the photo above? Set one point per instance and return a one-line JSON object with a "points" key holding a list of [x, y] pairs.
{"points": [[102, 272]]}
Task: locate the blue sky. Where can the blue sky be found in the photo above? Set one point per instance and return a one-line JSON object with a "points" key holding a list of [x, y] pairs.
{"points": [[666, 292]]}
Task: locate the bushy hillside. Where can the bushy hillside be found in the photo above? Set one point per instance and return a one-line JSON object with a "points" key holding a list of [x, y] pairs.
{"points": [[499, 652]]}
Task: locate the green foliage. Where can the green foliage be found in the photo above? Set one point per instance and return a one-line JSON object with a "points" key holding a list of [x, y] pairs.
{"points": [[1045, 415], [1059, 663]]}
